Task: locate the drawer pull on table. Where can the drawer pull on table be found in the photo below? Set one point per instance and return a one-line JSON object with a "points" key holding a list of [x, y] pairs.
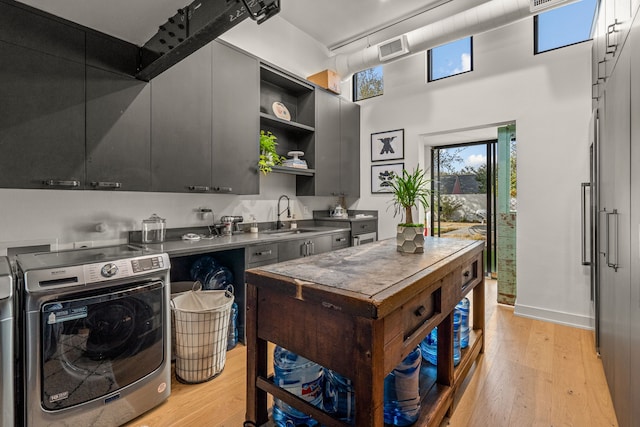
{"points": [[420, 311]]}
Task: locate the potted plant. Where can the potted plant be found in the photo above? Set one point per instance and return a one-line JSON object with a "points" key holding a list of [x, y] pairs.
{"points": [[268, 155], [409, 191]]}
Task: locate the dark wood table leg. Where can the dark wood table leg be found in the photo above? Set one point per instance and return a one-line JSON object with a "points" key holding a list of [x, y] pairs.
{"points": [[478, 311], [368, 380], [256, 362]]}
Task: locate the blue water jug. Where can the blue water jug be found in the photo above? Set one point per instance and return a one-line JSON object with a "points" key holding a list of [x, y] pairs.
{"points": [[232, 337], [457, 317], [402, 391], [339, 396], [429, 345], [300, 377], [463, 307]]}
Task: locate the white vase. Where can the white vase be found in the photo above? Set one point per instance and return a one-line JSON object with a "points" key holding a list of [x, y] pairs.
{"points": [[410, 239]]}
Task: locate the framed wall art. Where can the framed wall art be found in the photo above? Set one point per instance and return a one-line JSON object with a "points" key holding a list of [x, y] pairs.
{"points": [[387, 145], [382, 175]]}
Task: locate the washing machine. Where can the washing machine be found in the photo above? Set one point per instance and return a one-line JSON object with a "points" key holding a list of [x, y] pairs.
{"points": [[7, 353], [96, 335]]}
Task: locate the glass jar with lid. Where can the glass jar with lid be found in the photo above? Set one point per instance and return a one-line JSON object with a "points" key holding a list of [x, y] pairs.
{"points": [[153, 229]]}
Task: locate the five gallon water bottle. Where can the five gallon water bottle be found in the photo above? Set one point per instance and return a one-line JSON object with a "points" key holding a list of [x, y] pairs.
{"points": [[402, 391], [457, 317], [339, 396], [232, 337], [300, 377], [463, 307], [429, 345]]}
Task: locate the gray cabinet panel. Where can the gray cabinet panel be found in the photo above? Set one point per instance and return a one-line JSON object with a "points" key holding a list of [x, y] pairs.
{"points": [[337, 148], [111, 54], [236, 124], [634, 40], [291, 250], [322, 244], [350, 148], [181, 125], [118, 131], [327, 180], [304, 247], [42, 32], [42, 132], [615, 288]]}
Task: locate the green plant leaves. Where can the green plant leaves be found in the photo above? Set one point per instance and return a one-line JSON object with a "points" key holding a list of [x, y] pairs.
{"points": [[409, 190]]}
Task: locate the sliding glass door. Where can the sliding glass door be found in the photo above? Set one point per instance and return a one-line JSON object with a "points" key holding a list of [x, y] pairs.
{"points": [[463, 202]]}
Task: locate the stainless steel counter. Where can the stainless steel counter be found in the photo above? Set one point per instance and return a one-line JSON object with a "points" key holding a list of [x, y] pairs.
{"points": [[240, 240]]}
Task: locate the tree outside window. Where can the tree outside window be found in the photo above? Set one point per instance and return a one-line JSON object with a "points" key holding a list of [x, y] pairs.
{"points": [[368, 83]]}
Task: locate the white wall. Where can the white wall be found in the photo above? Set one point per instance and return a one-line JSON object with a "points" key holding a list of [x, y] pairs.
{"points": [[548, 96]]}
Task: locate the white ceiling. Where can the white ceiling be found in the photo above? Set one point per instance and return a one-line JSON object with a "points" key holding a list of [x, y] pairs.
{"points": [[332, 22]]}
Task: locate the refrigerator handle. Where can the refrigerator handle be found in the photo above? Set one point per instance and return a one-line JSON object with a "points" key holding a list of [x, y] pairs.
{"points": [[583, 220], [613, 265]]}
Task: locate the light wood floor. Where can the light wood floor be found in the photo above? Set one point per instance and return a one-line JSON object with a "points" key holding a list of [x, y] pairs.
{"points": [[533, 373]]}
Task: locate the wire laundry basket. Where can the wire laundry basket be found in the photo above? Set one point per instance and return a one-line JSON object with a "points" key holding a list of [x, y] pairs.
{"points": [[201, 327]]}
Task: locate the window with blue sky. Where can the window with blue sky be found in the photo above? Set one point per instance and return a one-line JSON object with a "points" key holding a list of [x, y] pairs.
{"points": [[564, 25], [450, 59]]}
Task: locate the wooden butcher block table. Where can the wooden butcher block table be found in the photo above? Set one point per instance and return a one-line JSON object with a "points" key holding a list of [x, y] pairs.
{"points": [[360, 311]]}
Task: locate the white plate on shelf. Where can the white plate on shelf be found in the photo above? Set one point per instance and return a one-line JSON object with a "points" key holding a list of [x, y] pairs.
{"points": [[280, 111]]}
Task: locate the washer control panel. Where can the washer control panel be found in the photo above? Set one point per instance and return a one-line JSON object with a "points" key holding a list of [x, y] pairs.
{"points": [[140, 265]]}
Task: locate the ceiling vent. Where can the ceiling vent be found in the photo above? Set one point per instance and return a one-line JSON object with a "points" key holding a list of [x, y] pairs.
{"points": [[393, 48], [540, 5]]}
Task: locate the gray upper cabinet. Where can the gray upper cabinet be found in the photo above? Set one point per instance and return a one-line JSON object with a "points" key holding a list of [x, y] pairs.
{"points": [[36, 31], [42, 128], [118, 132], [349, 149], [327, 179], [181, 114], [337, 148], [236, 124]]}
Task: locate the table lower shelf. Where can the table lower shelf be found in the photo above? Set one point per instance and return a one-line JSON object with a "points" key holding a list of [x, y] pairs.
{"points": [[436, 399]]}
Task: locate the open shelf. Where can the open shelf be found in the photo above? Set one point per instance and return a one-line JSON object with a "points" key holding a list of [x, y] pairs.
{"points": [[284, 124], [293, 171], [284, 81], [468, 356]]}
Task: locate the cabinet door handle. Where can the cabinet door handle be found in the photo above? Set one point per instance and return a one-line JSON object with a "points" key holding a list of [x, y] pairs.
{"points": [[611, 31], [223, 189], [61, 183], [200, 188], [583, 222], [105, 184], [263, 253], [615, 264]]}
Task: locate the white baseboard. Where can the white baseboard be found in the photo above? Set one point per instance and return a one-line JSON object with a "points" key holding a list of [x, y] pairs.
{"points": [[562, 318]]}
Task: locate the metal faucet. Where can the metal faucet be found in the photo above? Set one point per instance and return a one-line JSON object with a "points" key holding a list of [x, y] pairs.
{"points": [[279, 223]]}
